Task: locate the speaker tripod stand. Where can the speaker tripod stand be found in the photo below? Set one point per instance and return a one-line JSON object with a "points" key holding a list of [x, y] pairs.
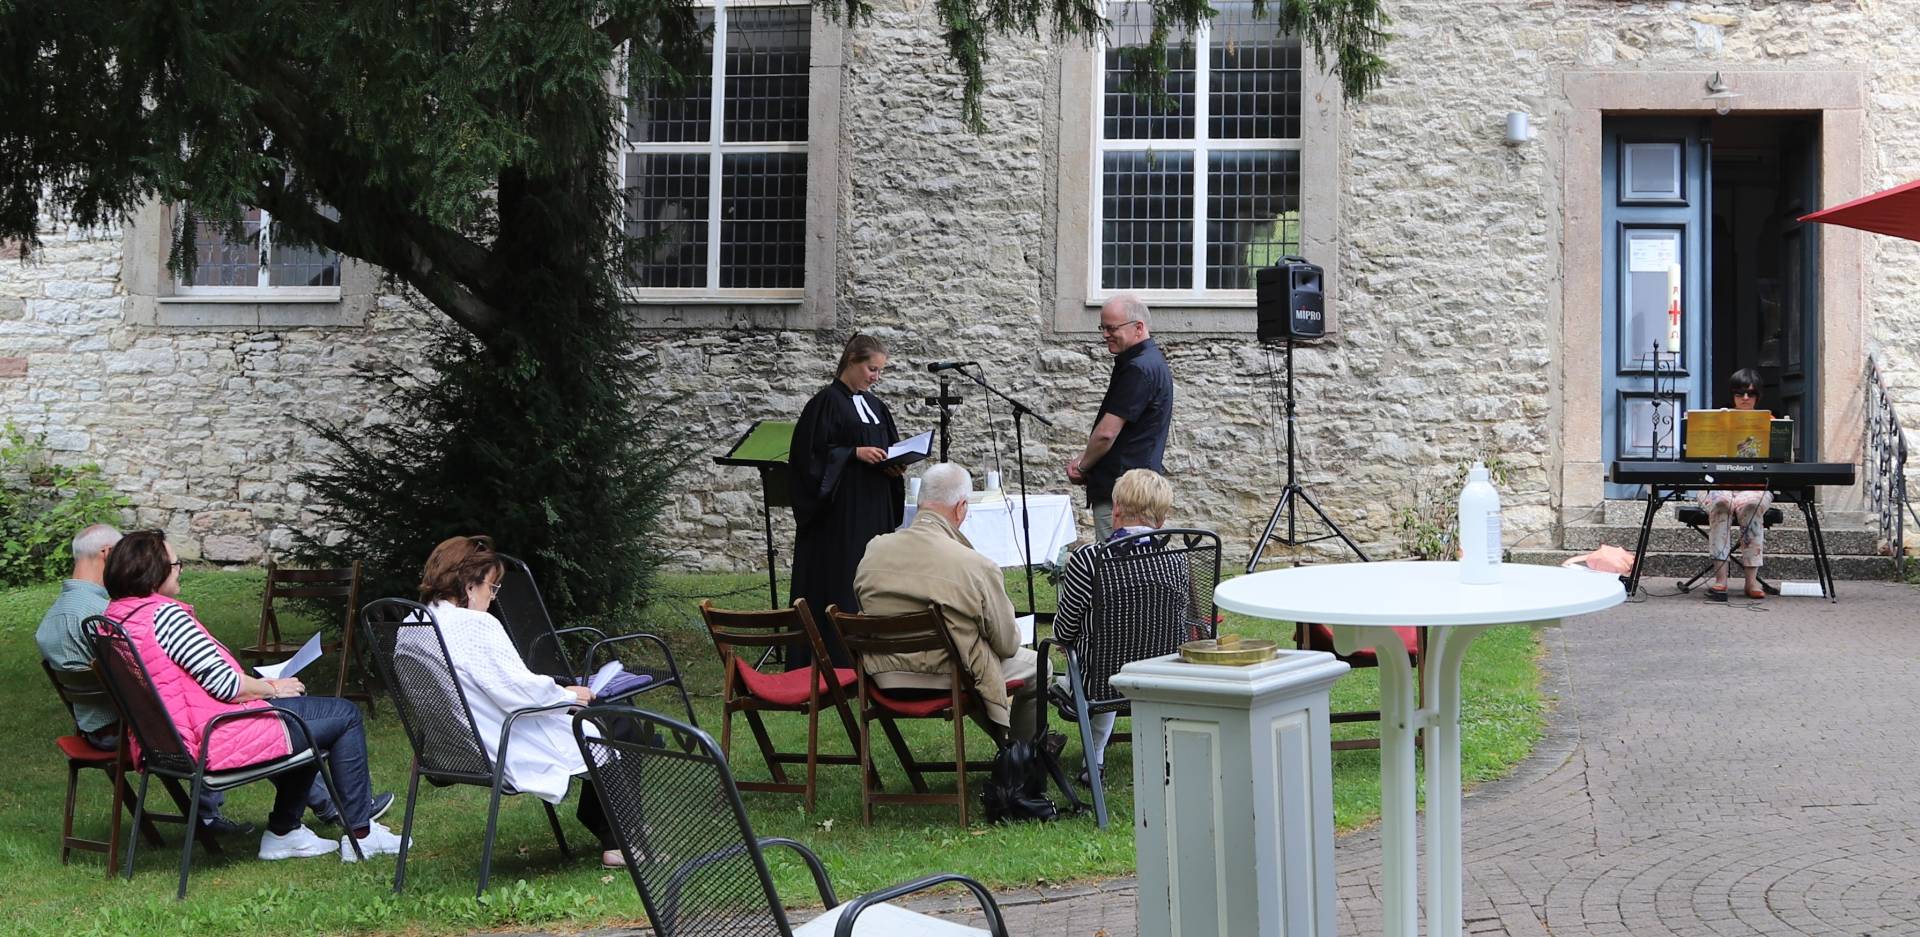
{"points": [[1293, 493]]}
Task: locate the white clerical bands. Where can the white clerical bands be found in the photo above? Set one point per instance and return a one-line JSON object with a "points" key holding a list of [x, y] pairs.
{"points": [[861, 407]]}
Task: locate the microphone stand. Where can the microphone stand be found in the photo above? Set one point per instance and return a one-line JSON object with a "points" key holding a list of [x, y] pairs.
{"points": [[1020, 410], [946, 402]]}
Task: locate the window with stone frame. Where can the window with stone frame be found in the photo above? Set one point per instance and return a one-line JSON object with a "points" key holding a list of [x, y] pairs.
{"points": [[1197, 185], [252, 263], [715, 172]]}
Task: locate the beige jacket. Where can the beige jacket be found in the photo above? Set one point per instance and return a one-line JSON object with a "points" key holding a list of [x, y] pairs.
{"points": [[930, 561]]}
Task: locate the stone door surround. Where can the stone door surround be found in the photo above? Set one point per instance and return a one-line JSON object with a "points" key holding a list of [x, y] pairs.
{"points": [[1836, 98]]}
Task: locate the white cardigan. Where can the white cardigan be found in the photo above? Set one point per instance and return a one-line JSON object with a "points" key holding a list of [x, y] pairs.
{"points": [[543, 755]]}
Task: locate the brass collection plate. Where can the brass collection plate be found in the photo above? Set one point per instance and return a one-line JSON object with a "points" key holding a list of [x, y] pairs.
{"points": [[1229, 650]]}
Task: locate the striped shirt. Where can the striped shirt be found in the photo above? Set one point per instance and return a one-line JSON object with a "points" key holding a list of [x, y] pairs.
{"points": [[195, 652]]}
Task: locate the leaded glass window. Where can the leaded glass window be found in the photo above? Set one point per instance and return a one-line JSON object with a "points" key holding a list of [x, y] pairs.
{"points": [[716, 170], [256, 260], [1198, 186]]}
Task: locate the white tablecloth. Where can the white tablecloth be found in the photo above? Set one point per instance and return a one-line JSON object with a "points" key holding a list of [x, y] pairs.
{"points": [[994, 527]]}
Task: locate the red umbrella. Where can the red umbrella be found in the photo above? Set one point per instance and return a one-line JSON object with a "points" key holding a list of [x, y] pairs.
{"points": [[1895, 211]]}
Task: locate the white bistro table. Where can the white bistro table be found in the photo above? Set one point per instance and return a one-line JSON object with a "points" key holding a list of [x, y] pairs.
{"points": [[1362, 602]]}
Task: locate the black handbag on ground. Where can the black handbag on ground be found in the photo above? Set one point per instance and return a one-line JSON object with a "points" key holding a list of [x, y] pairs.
{"points": [[1016, 788]]}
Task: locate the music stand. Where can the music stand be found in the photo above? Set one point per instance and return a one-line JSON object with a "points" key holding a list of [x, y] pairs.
{"points": [[1292, 492], [765, 446]]}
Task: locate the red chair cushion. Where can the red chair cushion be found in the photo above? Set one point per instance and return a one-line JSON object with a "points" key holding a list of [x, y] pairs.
{"points": [[790, 688], [77, 749], [914, 708], [1320, 638]]}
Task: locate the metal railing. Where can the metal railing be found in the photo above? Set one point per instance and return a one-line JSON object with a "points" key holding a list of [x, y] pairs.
{"points": [[1886, 466]]}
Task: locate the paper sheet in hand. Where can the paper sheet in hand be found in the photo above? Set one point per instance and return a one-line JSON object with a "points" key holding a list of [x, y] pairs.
{"points": [[1025, 624], [604, 676], [910, 450], [307, 654]]}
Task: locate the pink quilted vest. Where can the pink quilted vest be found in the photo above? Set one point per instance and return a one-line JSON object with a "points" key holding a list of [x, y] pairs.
{"points": [[236, 743]]}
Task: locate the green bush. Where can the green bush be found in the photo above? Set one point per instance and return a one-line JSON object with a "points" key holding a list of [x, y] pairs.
{"points": [[1429, 526], [42, 505]]}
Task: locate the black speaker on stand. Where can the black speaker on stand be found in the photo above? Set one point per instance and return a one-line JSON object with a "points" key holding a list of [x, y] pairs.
{"points": [[1292, 305]]}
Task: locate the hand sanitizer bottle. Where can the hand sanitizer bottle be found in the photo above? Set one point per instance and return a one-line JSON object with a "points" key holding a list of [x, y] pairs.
{"points": [[1479, 529]]}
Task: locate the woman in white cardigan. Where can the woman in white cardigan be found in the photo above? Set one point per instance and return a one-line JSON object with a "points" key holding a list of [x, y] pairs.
{"points": [[458, 584]]}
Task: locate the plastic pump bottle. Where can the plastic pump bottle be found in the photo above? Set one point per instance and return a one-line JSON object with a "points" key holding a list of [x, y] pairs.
{"points": [[1479, 529]]}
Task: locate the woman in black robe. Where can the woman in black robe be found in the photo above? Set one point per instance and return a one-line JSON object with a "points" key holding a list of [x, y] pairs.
{"points": [[842, 497]]}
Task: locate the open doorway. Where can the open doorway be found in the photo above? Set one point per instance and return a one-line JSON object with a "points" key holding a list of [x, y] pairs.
{"points": [[1764, 283]]}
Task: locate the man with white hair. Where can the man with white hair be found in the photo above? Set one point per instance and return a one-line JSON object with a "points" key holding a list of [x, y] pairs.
{"points": [[931, 561], [1130, 430]]}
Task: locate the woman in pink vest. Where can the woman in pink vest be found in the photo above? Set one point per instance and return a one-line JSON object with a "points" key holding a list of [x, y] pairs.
{"points": [[197, 679]]}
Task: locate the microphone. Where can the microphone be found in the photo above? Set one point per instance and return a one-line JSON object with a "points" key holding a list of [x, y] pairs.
{"points": [[939, 366]]}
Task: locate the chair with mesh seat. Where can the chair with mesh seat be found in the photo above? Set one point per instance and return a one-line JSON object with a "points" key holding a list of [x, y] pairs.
{"points": [[1151, 594], [326, 586], [544, 648], [750, 692], [693, 855], [413, 661], [164, 754], [869, 636], [84, 686]]}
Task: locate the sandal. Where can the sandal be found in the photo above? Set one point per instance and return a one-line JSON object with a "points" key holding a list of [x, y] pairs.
{"points": [[1716, 593], [1756, 593]]}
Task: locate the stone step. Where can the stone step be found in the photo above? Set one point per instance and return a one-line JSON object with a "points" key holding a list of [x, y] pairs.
{"points": [[1781, 538], [1787, 566], [1629, 511]]}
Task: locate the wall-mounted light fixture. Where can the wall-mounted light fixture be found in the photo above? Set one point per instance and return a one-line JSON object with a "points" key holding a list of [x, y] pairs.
{"points": [[1518, 130], [1720, 95]]}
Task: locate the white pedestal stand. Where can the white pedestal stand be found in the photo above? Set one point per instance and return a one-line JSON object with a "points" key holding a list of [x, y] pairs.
{"points": [[1233, 796]]}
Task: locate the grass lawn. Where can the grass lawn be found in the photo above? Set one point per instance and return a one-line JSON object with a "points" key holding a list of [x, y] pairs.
{"points": [[532, 884]]}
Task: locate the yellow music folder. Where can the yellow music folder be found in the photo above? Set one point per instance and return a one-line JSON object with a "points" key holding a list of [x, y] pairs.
{"points": [[1729, 434]]}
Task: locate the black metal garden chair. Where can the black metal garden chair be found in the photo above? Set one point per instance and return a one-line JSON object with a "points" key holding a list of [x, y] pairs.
{"points": [[413, 661], [163, 753], [543, 647], [699, 868], [1151, 594]]}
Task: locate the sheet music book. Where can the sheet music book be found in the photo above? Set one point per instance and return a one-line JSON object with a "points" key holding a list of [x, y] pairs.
{"points": [[908, 451], [1025, 624], [604, 676], [307, 654]]}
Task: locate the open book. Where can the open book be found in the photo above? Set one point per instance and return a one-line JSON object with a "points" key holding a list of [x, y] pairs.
{"points": [[613, 681], [908, 451]]}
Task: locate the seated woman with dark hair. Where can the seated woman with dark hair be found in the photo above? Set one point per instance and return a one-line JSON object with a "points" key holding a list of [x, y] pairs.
{"points": [[199, 679], [459, 583], [1747, 507]]}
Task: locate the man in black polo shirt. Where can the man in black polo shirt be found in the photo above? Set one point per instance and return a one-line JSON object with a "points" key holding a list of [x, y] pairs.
{"points": [[1131, 429]]}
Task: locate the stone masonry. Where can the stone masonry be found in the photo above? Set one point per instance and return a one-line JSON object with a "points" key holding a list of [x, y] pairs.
{"points": [[1448, 342]]}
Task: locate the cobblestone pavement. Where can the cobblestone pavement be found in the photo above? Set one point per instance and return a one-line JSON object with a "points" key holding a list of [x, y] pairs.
{"points": [[1709, 770]]}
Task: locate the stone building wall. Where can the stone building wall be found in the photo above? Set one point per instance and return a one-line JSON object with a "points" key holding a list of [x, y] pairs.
{"points": [[1449, 250]]}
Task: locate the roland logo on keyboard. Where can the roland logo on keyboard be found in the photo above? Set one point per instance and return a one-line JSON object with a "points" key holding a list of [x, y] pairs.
{"points": [[1735, 466]]}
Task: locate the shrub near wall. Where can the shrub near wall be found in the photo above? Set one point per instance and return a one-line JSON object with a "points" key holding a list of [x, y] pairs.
{"points": [[42, 505]]}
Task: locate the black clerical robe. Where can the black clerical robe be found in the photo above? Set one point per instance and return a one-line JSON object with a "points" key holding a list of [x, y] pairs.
{"points": [[839, 502]]}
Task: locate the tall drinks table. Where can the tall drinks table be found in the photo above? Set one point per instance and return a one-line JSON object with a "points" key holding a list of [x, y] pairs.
{"points": [[1362, 603]]}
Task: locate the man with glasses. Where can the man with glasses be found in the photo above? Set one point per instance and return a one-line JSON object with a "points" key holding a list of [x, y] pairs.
{"points": [[1746, 507], [1130, 430]]}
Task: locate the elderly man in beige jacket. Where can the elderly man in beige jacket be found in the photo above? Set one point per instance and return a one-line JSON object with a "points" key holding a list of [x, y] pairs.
{"points": [[931, 561]]}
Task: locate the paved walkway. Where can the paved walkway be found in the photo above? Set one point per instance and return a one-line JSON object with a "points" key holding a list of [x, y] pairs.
{"points": [[1746, 769]]}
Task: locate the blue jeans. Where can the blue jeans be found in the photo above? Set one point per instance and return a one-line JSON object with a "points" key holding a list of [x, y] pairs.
{"points": [[338, 733]]}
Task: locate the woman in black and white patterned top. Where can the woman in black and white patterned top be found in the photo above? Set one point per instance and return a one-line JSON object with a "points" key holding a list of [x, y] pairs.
{"points": [[1142, 499]]}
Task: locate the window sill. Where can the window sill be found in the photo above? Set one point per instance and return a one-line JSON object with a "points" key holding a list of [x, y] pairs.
{"points": [[637, 297], [1160, 300], [257, 312], [325, 294]]}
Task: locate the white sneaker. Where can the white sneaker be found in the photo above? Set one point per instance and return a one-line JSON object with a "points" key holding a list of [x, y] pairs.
{"points": [[299, 844], [380, 841]]}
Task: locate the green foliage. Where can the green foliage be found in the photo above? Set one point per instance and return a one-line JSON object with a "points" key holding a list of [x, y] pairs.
{"points": [[42, 505], [474, 449], [1428, 527]]}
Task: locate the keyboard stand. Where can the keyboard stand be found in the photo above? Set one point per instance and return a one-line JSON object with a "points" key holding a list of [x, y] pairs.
{"points": [[1659, 495]]}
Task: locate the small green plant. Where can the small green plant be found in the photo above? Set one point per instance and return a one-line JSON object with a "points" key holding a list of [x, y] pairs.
{"points": [[42, 505], [1430, 525]]}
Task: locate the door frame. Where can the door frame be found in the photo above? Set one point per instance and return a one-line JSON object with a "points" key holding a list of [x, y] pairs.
{"points": [[1836, 98]]}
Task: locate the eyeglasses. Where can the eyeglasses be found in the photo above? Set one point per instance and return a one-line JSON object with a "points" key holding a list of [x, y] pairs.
{"points": [[178, 564], [1113, 329], [495, 587], [1746, 392]]}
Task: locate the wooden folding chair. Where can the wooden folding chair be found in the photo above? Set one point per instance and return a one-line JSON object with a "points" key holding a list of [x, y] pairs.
{"points": [[81, 755], [866, 636], [747, 690], [270, 644]]}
